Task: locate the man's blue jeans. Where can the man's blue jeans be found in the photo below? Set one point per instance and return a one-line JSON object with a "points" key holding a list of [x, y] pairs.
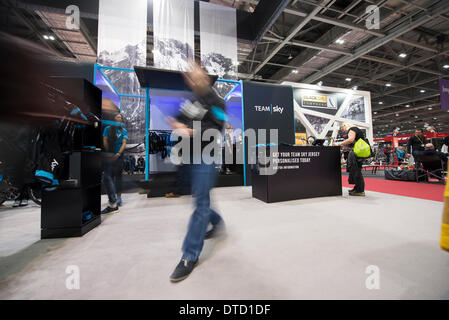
{"points": [[112, 179], [203, 180]]}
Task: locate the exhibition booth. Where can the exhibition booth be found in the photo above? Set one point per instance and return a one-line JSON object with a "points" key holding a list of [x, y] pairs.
{"points": [[266, 120]]}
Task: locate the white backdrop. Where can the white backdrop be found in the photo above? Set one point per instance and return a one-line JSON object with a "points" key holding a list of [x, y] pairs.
{"points": [[122, 33], [218, 33], [174, 37]]}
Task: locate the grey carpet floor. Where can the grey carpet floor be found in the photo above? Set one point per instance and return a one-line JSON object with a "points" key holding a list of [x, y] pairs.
{"points": [[306, 249]]}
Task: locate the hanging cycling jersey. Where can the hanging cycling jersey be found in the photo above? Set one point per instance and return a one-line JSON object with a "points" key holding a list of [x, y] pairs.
{"points": [[159, 142], [50, 159]]}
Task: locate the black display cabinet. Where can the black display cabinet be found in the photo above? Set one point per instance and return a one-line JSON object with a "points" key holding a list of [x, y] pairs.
{"points": [[73, 208]]}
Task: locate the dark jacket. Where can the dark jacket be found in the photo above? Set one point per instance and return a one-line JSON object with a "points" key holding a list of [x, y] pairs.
{"points": [[210, 110], [416, 143], [213, 106]]}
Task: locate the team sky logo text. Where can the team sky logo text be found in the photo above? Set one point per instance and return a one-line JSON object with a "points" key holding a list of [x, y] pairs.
{"points": [[269, 109]]}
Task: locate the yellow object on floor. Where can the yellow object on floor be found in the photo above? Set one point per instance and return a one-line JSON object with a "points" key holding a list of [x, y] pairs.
{"points": [[444, 242], [172, 195]]}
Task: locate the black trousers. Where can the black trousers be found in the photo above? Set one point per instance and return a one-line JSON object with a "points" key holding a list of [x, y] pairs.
{"points": [[355, 172]]}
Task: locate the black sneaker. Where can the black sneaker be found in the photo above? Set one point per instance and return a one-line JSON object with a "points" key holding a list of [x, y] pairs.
{"points": [[24, 203], [216, 231], [182, 270], [109, 210], [357, 194]]}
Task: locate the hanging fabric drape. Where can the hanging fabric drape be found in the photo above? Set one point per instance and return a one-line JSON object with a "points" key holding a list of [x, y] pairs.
{"points": [[173, 29], [218, 34], [122, 33]]}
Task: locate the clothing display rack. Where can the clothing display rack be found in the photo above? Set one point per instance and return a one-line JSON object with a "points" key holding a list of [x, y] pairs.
{"points": [[73, 207]]}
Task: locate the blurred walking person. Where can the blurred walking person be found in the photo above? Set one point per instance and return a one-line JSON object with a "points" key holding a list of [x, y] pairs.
{"points": [[209, 109]]}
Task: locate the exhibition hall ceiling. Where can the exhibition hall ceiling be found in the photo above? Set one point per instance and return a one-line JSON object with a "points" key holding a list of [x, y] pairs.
{"points": [[332, 42]]}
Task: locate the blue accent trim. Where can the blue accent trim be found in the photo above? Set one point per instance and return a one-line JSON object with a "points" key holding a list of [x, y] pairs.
{"points": [[264, 145], [294, 120], [243, 133], [131, 95], [55, 182], [114, 68], [1, 177], [112, 123], [147, 134], [228, 81], [45, 174], [95, 74], [109, 81], [219, 113], [75, 111], [229, 93], [271, 108]]}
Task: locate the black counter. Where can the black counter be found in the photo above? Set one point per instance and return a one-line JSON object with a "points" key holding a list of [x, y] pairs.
{"points": [[297, 172]]}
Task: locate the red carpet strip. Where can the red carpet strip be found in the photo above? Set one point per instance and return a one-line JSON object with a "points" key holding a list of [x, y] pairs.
{"points": [[421, 190]]}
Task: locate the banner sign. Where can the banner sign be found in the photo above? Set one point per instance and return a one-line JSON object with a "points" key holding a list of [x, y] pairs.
{"points": [[122, 33], [444, 93], [317, 101], [174, 35], [122, 43], [218, 34]]}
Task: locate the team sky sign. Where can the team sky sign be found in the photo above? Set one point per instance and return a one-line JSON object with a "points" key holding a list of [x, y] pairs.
{"points": [[269, 109], [268, 106]]}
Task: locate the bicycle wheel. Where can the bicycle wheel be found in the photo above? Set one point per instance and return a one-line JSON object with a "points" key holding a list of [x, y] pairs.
{"points": [[36, 195]]}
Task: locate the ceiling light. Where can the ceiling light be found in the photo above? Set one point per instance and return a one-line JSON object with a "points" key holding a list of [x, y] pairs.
{"points": [[416, 117], [320, 83], [348, 79], [434, 118], [407, 106], [340, 41], [290, 57], [294, 71], [429, 108], [422, 91], [397, 114], [446, 66], [388, 84], [375, 112], [402, 55], [46, 37], [354, 88], [380, 102], [51, 38]]}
